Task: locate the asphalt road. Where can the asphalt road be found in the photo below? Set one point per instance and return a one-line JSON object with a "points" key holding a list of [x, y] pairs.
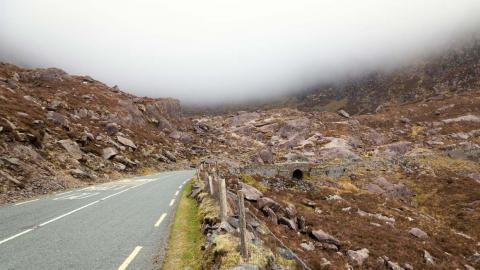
{"points": [[117, 225]]}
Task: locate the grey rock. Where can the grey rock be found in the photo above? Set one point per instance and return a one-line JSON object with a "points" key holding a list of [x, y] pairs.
{"points": [[308, 246], [428, 258], [268, 202], [112, 128], [170, 156], [324, 237], [418, 233], [78, 173], [72, 148], [251, 193], [109, 152], [343, 113], [126, 142], [289, 222], [266, 156], [358, 256], [58, 119]]}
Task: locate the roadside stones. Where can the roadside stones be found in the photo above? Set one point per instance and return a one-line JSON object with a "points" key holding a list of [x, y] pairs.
{"points": [[78, 173], [126, 142], [324, 237], [109, 152], [418, 233], [72, 148], [358, 256]]}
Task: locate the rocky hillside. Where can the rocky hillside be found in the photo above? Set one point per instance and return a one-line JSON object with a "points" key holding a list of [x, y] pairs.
{"points": [[456, 70], [400, 189], [58, 131]]}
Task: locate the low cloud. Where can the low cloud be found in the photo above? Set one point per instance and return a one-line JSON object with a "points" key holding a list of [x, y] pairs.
{"points": [[217, 51]]}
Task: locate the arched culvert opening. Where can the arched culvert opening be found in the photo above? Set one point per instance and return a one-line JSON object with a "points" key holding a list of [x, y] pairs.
{"points": [[297, 174]]}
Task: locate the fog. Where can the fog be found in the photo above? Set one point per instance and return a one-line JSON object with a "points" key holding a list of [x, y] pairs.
{"points": [[217, 51]]}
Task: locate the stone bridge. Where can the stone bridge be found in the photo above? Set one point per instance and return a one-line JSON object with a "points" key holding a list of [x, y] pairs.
{"points": [[295, 170]]}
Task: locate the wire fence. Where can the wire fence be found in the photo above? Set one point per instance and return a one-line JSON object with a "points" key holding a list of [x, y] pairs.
{"points": [[233, 208]]}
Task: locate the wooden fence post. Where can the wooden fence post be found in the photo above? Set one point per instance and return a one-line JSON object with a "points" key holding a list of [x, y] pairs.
{"points": [[222, 193], [210, 184], [242, 225]]}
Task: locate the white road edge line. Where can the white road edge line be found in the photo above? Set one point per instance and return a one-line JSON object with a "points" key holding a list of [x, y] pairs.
{"points": [[180, 187], [162, 217], [176, 193], [130, 258], [20, 203], [63, 193], [171, 202], [64, 215], [15, 236]]}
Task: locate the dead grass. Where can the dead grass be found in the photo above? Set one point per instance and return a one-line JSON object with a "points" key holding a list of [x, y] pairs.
{"points": [[186, 238]]}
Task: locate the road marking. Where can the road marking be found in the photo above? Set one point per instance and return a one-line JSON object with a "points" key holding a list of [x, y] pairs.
{"points": [[64, 215], [180, 187], [15, 236], [63, 193], [79, 196], [171, 202], [130, 258], [176, 193], [68, 213], [20, 203], [162, 217]]}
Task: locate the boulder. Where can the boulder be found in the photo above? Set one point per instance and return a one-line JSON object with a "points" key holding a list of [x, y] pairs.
{"points": [[418, 233], [78, 173], [58, 119], [109, 152], [324, 237], [429, 260], [343, 113], [72, 148], [251, 193], [266, 156], [112, 128], [170, 156], [289, 222], [358, 256], [268, 202], [309, 246], [126, 142]]}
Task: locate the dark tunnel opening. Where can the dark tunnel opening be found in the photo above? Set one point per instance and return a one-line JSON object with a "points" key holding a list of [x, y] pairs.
{"points": [[297, 174]]}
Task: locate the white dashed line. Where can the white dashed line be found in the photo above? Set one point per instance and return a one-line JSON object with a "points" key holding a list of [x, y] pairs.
{"points": [[130, 258], [180, 187], [162, 217], [176, 193], [171, 202], [20, 203]]}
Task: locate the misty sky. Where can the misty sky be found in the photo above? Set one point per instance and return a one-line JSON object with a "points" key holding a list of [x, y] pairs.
{"points": [[213, 51]]}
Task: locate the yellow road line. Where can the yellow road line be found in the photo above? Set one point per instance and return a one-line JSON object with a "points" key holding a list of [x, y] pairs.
{"points": [[130, 258]]}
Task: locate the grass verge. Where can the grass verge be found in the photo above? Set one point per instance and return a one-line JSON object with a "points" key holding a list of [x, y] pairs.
{"points": [[183, 250]]}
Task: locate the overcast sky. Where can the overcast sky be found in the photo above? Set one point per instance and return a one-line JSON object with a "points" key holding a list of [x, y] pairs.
{"points": [[227, 50]]}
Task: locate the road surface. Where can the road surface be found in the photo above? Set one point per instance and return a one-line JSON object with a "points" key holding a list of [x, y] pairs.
{"points": [[117, 225]]}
